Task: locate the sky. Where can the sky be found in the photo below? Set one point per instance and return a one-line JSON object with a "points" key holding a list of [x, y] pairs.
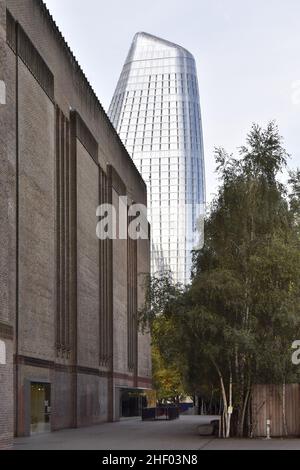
{"points": [[247, 54]]}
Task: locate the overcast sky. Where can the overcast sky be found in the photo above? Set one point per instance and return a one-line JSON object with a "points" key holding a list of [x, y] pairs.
{"points": [[247, 54]]}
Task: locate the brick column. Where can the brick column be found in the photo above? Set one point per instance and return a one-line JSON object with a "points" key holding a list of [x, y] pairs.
{"points": [[6, 330]]}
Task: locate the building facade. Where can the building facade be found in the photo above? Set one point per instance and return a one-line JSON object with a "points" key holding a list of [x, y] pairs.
{"points": [[69, 340], [156, 111]]}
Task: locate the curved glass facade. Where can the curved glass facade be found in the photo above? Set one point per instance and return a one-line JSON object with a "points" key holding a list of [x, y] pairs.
{"points": [[156, 111]]}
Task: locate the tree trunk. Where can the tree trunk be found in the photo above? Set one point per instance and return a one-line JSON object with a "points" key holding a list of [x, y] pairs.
{"points": [[249, 418], [224, 424], [243, 413], [229, 414], [211, 400], [225, 408], [226, 415]]}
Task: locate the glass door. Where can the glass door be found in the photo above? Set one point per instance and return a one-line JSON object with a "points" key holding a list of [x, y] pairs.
{"points": [[40, 407]]}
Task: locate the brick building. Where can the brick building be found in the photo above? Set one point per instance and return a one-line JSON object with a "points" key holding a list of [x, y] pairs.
{"points": [[69, 343]]}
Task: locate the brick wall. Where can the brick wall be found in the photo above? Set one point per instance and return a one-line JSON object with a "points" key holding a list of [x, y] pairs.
{"points": [[6, 330], [87, 260], [120, 300], [30, 204], [144, 340], [6, 397], [36, 218]]}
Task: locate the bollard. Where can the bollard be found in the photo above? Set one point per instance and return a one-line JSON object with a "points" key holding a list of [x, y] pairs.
{"points": [[268, 429], [2, 92]]}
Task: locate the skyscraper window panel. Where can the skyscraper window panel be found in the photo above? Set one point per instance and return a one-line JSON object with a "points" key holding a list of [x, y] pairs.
{"points": [[162, 80]]}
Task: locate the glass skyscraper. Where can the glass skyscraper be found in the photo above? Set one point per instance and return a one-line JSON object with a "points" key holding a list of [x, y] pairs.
{"points": [[156, 111]]}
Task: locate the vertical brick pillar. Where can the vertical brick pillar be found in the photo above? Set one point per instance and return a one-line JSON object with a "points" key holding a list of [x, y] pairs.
{"points": [[6, 330]]}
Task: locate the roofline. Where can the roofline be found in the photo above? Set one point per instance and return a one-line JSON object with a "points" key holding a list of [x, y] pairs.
{"points": [[60, 36], [169, 43]]}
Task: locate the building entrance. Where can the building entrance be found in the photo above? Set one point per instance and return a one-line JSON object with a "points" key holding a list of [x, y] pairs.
{"points": [[40, 407], [132, 402]]}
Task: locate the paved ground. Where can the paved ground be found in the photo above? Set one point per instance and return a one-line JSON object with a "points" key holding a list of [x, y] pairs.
{"points": [[135, 434]]}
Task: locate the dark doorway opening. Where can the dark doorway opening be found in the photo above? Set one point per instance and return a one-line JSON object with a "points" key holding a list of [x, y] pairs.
{"points": [[132, 403], [40, 407]]}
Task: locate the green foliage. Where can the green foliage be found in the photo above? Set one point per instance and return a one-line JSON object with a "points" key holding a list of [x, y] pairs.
{"points": [[167, 379], [237, 320], [294, 182]]}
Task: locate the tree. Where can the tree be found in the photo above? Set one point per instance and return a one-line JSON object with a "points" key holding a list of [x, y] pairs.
{"points": [[167, 363], [236, 322], [167, 379]]}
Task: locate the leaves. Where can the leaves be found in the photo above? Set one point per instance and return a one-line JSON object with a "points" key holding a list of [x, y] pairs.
{"points": [[241, 313]]}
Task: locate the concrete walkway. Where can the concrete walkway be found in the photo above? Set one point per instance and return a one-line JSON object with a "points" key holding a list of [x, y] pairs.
{"points": [[134, 434]]}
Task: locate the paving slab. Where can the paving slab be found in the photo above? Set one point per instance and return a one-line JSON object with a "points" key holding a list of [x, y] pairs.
{"points": [[134, 434]]}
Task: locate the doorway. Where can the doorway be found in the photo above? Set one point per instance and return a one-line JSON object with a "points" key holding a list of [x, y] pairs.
{"points": [[40, 407], [132, 401]]}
